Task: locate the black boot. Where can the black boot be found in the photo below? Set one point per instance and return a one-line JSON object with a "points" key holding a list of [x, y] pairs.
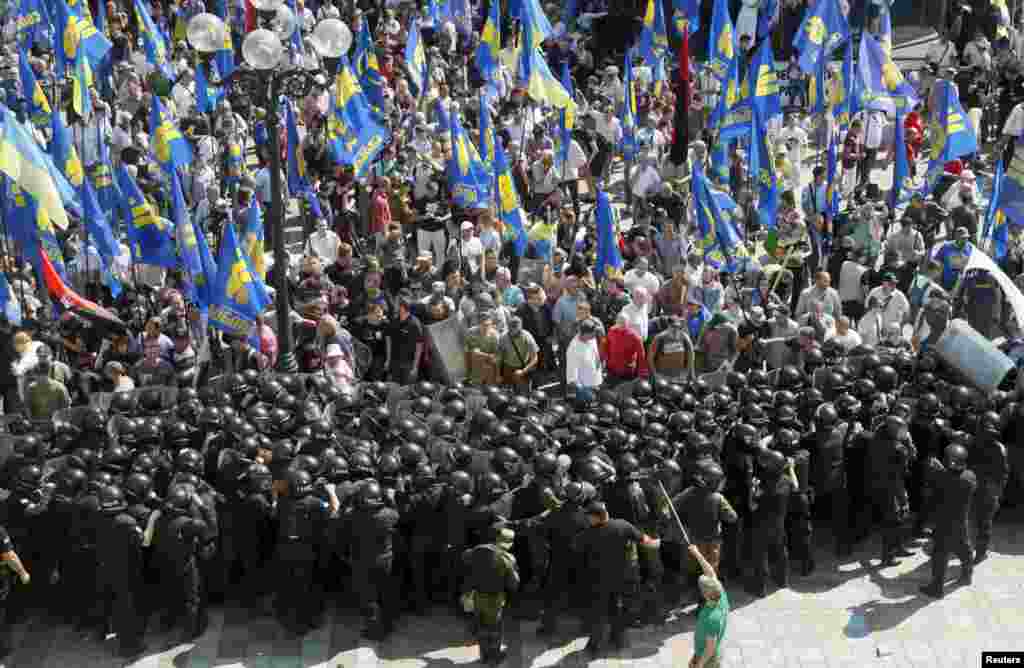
{"points": [[934, 590]]}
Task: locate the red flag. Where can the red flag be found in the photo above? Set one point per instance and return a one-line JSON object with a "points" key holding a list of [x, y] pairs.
{"points": [[681, 130], [74, 301], [250, 17]]}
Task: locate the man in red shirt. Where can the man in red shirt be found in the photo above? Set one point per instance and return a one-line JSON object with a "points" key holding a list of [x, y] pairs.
{"points": [[624, 352], [380, 210]]}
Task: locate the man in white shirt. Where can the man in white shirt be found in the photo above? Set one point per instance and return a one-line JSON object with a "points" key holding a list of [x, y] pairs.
{"points": [[637, 313], [323, 243], [978, 52], [893, 304], [583, 369], [646, 179], [874, 131], [796, 140], [821, 292], [472, 248], [844, 336], [641, 276]]}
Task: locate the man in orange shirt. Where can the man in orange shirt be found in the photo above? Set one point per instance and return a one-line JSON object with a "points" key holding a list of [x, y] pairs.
{"points": [[624, 352]]}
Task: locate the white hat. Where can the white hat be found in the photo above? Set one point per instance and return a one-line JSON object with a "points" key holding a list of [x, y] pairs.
{"points": [[333, 350], [467, 226]]}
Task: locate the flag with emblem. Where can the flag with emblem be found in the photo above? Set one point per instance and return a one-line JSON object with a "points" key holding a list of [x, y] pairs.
{"points": [[30, 227], [1011, 191], [718, 240], [832, 197], [186, 246], [510, 210], [97, 225], [63, 151], [884, 86], [686, 16], [627, 115], [996, 228], [823, 29], [486, 135], [367, 68], [487, 53], [38, 106], [846, 90], [653, 36], [355, 137], [901, 167], [817, 94], [765, 98], [951, 132], [208, 96], [252, 238], [469, 180], [169, 146], [416, 60], [732, 114], [149, 236], [75, 32], [762, 168], [153, 41], [606, 220], [239, 295], [722, 41], [566, 118], [32, 22]]}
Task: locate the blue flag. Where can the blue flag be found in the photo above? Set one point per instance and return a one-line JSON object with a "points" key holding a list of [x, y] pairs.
{"points": [[38, 106], [653, 36], [996, 226], [74, 31], [239, 295], [23, 160], [762, 168], [885, 88], [368, 69], [97, 225], [169, 146], [149, 235], [565, 118], [823, 29], [765, 84], [225, 57], [535, 76], [831, 174], [686, 16], [533, 20], [719, 241], [722, 41], [9, 304], [208, 96], [29, 225], [252, 238], [848, 90], [720, 161], [33, 22], [817, 94], [200, 271], [416, 60], [153, 41], [627, 117], [509, 209], [488, 52], [1011, 191], [468, 179], [64, 153], [606, 219], [486, 136], [901, 169], [952, 134], [733, 113], [355, 136], [298, 180]]}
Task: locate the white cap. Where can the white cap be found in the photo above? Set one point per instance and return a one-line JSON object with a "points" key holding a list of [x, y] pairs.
{"points": [[333, 350], [467, 226]]}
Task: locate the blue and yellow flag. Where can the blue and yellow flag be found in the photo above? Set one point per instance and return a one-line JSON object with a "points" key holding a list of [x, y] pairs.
{"points": [[566, 119], [606, 220], [722, 41], [239, 295], [64, 153], [823, 29], [732, 113], [885, 29], [32, 23], [718, 239], [535, 76], [1001, 14], [996, 227], [416, 60], [832, 196], [686, 16], [225, 57], [149, 236], [200, 271], [208, 96], [762, 168], [169, 146], [487, 52], [355, 136], [720, 161], [486, 137], [1011, 191], [153, 41], [509, 209], [97, 226], [252, 238], [952, 134], [297, 177], [535, 24], [10, 307], [884, 87], [26, 164], [38, 106], [31, 228], [817, 94], [102, 177], [367, 68], [846, 90], [627, 116], [468, 179], [901, 168], [766, 101], [74, 31], [653, 36]]}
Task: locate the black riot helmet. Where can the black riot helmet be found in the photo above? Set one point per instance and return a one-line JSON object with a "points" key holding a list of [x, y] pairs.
{"points": [[790, 378], [680, 423], [886, 378], [112, 500], [826, 416], [461, 482], [300, 483], [545, 464], [989, 423], [627, 465], [580, 493], [643, 392], [492, 485], [895, 427], [771, 462], [956, 457], [709, 474], [370, 495], [137, 487]]}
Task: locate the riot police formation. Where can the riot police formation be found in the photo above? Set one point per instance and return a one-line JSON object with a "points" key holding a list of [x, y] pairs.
{"points": [[281, 494]]}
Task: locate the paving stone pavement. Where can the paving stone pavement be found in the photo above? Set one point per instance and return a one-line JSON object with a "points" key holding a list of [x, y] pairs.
{"points": [[848, 614]]}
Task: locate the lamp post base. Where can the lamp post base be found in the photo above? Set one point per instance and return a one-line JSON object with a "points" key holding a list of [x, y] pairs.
{"points": [[287, 363]]}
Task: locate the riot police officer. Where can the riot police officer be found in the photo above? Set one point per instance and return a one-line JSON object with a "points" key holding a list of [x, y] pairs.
{"points": [[253, 513], [776, 482], [374, 540], [120, 571], [426, 521], [955, 485], [176, 539], [559, 529], [703, 508], [302, 522], [989, 462]]}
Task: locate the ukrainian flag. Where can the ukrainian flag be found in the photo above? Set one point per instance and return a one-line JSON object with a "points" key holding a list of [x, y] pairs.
{"points": [[239, 296], [468, 178], [416, 60], [356, 138], [509, 209], [765, 100], [153, 41], [30, 227], [653, 38], [149, 236], [718, 239], [170, 148], [208, 96], [64, 153], [823, 29], [490, 43], [38, 106], [606, 220], [762, 167], [722, 43], [535, 75], [297, 179], [628, 115], [952, 134], [368, 69], [252, 238], [885, 88], [534, 21], [33, 22]]}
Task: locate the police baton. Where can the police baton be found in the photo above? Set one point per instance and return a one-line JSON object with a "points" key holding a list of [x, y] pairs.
{"points": [[686, 536]]}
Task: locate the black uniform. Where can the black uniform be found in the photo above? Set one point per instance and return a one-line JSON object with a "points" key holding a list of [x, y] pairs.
{"points": [[176, 540], [559, 529], [828, 478], [953, 493], [769, 539], [6, 585], [611, 570], [302, 523], [425, 518], [990, 465], [887, 462], [120, 578], [374, 540]]}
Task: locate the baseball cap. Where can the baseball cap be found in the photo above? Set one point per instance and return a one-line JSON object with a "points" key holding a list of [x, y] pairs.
{"points": [[467, 226]]}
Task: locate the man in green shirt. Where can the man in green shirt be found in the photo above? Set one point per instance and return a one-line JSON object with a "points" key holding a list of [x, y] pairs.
{"points": [[712, 618]]}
